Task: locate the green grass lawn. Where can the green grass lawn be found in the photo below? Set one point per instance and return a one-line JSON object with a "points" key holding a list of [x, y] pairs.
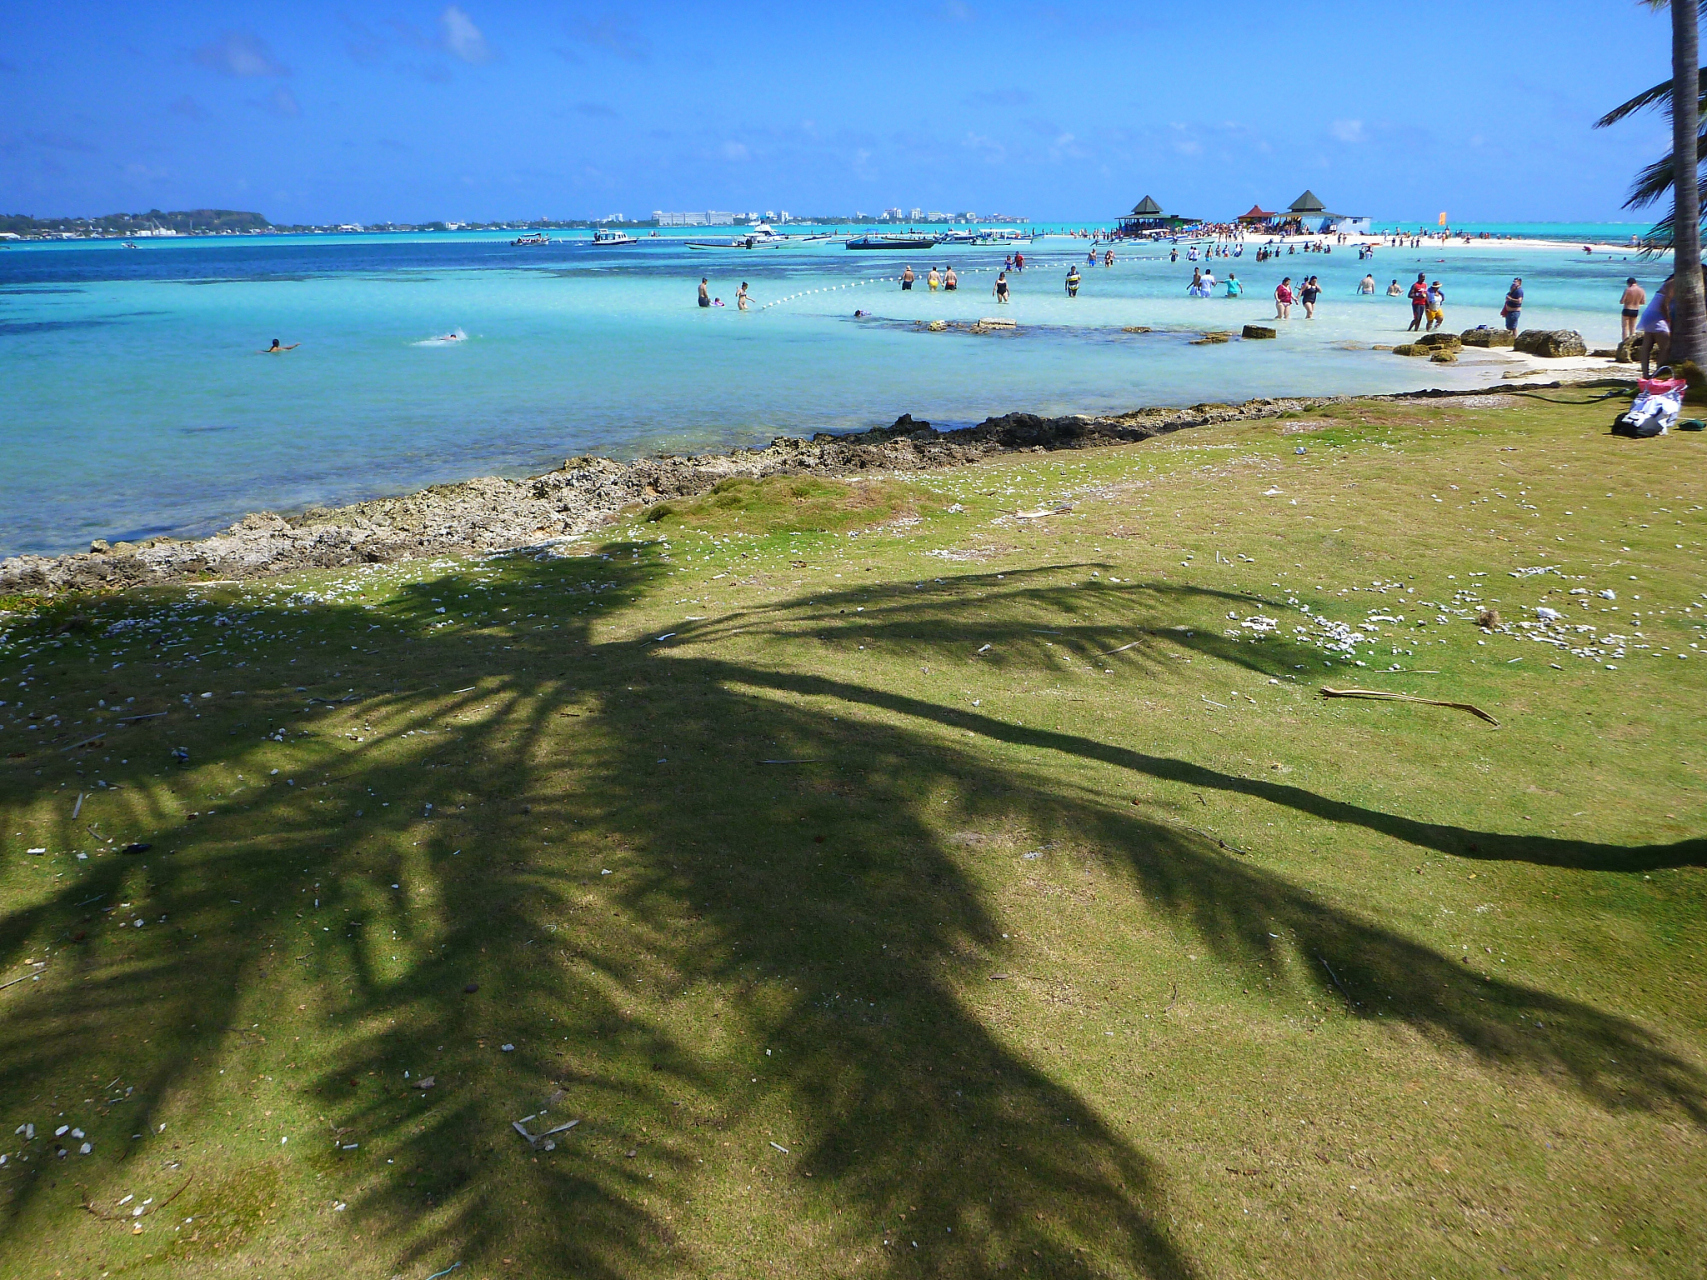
{"points": [[892, 885]]}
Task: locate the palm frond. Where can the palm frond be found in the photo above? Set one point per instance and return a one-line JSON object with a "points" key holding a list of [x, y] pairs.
{"points": [[1654, 180], [1659, 95]]}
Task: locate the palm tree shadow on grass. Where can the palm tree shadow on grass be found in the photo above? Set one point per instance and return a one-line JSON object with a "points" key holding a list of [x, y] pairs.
{"points": [[1136, 626], [845, 958]]}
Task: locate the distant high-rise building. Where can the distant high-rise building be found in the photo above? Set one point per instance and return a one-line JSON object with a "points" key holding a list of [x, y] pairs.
{"points": [[917, 215], [678, 219], [714, 218]]}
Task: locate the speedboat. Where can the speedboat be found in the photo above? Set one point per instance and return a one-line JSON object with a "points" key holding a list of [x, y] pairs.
{"points": [[604, 236], [760, 236], [533, 237]]}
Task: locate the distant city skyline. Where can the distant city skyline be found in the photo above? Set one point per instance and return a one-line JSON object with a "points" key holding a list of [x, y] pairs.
{"points": [[322, 114]]}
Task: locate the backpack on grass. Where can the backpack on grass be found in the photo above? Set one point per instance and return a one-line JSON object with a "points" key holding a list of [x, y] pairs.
{"points": [[1658, 403]]}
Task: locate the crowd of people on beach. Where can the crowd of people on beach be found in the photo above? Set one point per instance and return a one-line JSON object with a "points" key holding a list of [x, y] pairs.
{"points": [[1644, 320]]}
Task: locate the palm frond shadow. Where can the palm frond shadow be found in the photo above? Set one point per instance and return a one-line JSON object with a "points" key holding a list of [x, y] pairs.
{"points": [[642, 1002]]}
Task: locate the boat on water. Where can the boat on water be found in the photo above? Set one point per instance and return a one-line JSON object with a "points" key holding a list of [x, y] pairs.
{"points": [[533, 237], [893, 242], [605, 237], [761, 236]]}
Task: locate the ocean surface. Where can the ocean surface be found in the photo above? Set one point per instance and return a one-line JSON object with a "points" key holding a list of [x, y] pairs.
{"points": [[136, 402]]}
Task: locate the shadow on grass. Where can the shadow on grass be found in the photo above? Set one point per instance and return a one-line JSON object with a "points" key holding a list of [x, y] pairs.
{"points": [[768, 952]]}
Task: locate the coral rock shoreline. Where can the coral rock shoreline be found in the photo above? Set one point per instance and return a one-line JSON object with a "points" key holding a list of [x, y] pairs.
{"points": [[586, 493]]}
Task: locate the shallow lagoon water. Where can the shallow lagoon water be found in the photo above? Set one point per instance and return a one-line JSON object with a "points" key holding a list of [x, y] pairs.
{"points": [[136, 403]]}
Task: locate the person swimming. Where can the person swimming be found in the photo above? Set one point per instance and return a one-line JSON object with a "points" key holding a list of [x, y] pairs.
{"points": [[278, 348]]}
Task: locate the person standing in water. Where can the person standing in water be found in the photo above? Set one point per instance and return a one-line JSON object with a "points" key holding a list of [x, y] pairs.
{"points": [[950, 281], [934, 280], [278, 349], [1234, 288], [1513, 308], [741, 297], [907, 277], [1634, 299], [1073, 281], [1367, 284], [1001, 287], [1436, 306], [1419, 302], [704, 293], [1283, 299], [1308, 292]]}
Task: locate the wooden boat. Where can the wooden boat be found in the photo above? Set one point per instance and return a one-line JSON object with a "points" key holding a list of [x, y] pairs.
{"points": [[893, 242]]}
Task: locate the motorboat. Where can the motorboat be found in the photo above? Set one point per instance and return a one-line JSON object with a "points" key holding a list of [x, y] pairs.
{"points": [[759, 236], [893, 242], [533, 237], [605, 237]]}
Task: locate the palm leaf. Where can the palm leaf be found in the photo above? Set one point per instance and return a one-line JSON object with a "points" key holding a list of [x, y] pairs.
{"points": [[1660, 93]]}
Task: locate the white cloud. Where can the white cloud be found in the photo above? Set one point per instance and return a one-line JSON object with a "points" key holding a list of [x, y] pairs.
{"points": [[1348, 130], [735, 151], [282, 102], [462, 39], [237, 53]]}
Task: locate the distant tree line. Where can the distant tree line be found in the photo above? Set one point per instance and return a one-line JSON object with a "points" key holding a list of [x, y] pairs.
{"points": [[182, 221]]}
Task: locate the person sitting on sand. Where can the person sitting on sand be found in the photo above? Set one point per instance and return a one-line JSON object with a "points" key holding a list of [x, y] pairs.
{"points": [[1283, 299], [1634, 299], [277, 349]]}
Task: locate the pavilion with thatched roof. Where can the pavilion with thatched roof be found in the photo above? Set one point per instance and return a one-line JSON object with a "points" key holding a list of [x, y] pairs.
{"points": [[1147, 217], [1307, 214]]}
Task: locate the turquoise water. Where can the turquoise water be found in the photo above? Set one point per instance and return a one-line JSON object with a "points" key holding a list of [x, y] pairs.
{"points": [[136, 403]]}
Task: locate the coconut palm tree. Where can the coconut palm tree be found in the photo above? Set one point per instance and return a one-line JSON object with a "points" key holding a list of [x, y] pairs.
{"points": [[1680, 171]]}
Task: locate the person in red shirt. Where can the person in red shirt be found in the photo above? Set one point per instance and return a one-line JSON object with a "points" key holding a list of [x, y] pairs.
{"points": [[1419, 301], [1283, 299]]}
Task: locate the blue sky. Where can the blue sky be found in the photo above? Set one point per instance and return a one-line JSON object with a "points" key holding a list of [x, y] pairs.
{"points": [[316, 113]]}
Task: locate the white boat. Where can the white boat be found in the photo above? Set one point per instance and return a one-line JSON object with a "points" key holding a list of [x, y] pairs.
{"points": [[760, 236], [533, 237], [606, 237]]}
